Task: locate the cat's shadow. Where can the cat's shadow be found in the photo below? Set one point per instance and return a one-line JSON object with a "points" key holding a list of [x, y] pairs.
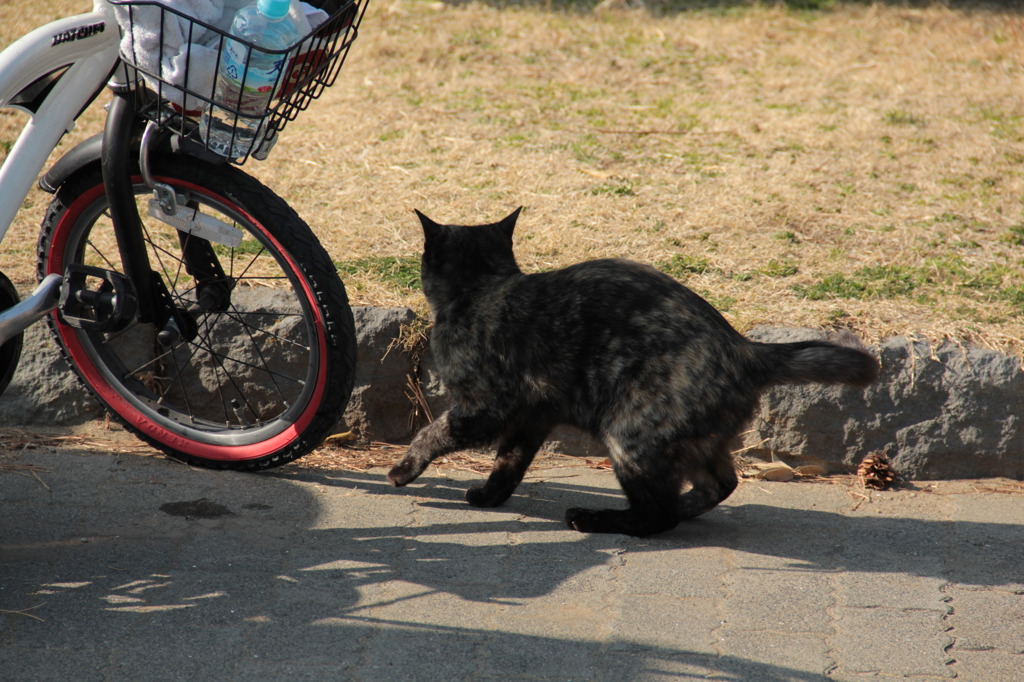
{"points": [[467, 551]]}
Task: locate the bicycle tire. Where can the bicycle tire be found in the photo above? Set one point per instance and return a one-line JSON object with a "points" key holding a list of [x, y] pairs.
{"points": [[265, 379]]}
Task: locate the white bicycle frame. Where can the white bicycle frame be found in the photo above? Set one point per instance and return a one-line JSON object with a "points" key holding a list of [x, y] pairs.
{"points": [[87, 46]]}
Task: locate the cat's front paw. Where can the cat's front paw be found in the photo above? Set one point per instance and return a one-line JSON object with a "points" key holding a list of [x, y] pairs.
{"points": [[404, 473]]}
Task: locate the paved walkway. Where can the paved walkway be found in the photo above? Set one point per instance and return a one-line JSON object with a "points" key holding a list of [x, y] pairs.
{"points": [[138, 568]]}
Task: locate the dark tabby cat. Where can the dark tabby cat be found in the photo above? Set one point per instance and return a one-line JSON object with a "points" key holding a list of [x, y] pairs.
{"points": [[616, 348]]}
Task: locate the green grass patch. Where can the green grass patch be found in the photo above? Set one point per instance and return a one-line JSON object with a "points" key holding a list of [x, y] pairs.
{"points": [[875, 282], [249, 246], [389, 135], [946, 275], [1014, 235], [398, 272], [683, 265], [1015, 297], [1003, 126], [898, 117], [623, 188], [778, 268]]}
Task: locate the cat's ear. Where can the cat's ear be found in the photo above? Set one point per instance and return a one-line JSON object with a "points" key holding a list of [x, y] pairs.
{"points": [[430, 228], [509, 224]]}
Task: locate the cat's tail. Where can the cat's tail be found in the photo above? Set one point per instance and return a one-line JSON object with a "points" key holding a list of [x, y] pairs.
{"points": [[842, 361]]}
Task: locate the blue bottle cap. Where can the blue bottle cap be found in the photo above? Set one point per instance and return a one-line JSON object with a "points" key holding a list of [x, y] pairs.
{"points": [[273, 9]]}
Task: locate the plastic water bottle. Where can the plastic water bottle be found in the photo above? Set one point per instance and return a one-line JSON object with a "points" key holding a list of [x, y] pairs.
{"points": [[247, 77]]}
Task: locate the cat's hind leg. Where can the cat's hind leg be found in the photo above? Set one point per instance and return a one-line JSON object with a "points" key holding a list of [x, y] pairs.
{"points": [[515, 453], [450, 432], [652, 509], [651, 481], [711, 484]]}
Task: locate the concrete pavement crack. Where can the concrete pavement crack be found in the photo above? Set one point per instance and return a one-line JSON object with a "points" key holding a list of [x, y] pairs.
{"points": [[724, 595]]}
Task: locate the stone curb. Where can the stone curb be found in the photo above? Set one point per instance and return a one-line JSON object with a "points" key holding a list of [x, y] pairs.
{"points": [[946, 411]]}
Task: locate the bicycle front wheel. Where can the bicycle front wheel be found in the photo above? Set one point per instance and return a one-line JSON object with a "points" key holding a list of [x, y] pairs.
{"points": [[268, 363]]}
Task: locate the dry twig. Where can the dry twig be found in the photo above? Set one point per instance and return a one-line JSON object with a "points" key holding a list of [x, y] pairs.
{"points": [[24, 612]]}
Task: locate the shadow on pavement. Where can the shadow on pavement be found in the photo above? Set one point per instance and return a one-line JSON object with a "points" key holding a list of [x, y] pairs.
{"points": [[94, 570], [963, 552]]}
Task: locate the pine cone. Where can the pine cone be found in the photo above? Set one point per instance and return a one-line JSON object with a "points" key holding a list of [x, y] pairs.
{"points": [[876, 472]]}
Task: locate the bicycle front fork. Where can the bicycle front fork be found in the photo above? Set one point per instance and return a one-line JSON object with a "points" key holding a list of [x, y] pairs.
{"points": [[107, 301]]}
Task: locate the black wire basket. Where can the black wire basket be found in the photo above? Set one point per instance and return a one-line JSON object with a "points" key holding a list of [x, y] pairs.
{"points": [[173, 60]]}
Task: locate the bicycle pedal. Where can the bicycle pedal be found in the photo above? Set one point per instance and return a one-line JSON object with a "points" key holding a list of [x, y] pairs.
{"points": [[109, 305], [191, 221]]}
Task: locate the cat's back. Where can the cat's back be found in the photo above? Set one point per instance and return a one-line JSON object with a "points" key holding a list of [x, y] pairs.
{"points": [[623, 292], [591, 311], [613, 274]]}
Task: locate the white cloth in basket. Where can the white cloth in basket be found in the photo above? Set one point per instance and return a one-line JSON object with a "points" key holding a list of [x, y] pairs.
{"points": [[179, 43]]}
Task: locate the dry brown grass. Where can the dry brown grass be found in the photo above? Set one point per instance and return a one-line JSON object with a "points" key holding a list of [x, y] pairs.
{"points": [[751, 152]]}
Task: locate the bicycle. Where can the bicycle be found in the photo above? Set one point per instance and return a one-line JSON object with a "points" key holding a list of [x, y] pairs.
{"points": [[193, 302]]}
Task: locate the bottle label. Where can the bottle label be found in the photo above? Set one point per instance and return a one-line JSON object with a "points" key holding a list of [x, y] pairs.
{"points": [[255, 75]]}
